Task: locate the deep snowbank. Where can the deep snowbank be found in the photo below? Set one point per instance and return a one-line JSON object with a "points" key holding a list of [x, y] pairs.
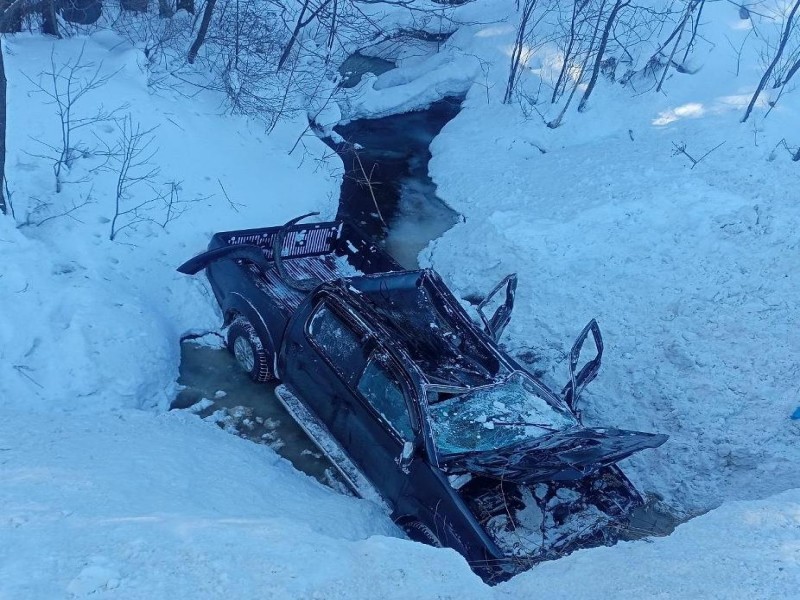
{"points": [[691, 272], [132, 504], [88, 323], [740, 550]]}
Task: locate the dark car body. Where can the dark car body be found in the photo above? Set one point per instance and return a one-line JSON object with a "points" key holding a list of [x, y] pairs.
{"points": [[417, 404]]}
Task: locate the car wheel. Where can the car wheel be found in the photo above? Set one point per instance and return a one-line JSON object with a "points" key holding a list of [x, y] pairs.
{"points": [[246, 347], [419, 532]]}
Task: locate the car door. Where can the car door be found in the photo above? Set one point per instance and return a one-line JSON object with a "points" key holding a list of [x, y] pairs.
{"points": [[377, 422], [325, 353]]}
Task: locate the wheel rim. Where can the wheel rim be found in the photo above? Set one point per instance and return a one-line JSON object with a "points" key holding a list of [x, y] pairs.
{"points": [[244, 354]]}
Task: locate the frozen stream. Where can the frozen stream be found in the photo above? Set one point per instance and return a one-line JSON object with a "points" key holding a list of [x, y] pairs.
{"points": [[386, 188]]}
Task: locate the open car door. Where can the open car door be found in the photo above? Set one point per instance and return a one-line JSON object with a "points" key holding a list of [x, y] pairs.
{"points": [[580, 378], [494, 325]]}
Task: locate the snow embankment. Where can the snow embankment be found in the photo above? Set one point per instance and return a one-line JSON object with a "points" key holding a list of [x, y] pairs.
{"points": [[137, 505], [89, 323], [740, 550], [690, 267], [413, 87], [133, 504]]}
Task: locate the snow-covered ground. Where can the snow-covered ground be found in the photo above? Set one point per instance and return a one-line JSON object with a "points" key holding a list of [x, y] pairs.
{"points": [[101, 318], [136, 505], [692, 273]]}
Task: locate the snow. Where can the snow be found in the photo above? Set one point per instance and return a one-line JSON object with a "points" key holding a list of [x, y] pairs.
{"points": [[441, 76], [691, 272], [741, 550], [102, 319], [132, 504], [190, 512], [690, 269]]}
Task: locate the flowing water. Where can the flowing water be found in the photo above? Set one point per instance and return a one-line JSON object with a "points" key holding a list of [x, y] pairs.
{"points": [[386, 188]]}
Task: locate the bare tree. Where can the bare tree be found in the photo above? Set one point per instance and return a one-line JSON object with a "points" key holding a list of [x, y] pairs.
{"points": [[131, 160], [598, 61], [41, 212], [517, 50], [49, 19], [10, 20], [597, 37], [308, 12], [788, 29], [695, 26], [65, 86], [208, 12], [3, 86], [678, 34], [553, 124], [576, 21], [80, 12]]}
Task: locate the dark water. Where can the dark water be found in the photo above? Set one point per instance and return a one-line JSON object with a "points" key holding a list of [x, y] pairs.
{"points": [[358, 64], [386, 188]]}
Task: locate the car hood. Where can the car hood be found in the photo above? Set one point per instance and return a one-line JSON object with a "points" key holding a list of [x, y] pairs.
{"points": [[562, 455]]}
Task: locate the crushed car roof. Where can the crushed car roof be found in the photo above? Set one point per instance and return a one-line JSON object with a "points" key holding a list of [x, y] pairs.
{"points": [[428, 323]]}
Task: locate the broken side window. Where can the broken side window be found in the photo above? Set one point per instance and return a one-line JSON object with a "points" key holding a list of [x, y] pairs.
{"points": [[337, 341], [386, 396]]}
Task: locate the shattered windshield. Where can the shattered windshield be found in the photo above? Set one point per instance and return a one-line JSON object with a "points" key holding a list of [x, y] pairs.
{"points": [[495, 416]]}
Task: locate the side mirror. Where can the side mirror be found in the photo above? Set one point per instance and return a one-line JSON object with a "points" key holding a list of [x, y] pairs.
{"points": [[495, 325], [579, 379], [406, 457]]}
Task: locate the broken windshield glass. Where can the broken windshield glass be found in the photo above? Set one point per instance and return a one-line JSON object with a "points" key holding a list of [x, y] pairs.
{"points": [[494, 416]]}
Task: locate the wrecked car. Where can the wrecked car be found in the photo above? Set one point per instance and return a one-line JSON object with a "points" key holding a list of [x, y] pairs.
{"points": [[415, 403]]}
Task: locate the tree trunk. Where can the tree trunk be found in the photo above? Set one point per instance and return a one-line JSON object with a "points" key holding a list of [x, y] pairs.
{"points": [[577, 9], [300, 25], [11, 16], [49, 20], [618, 5], [516, 53], [3, 207], [134, 5], [295, 32], [165, 10], [201, 34]]}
